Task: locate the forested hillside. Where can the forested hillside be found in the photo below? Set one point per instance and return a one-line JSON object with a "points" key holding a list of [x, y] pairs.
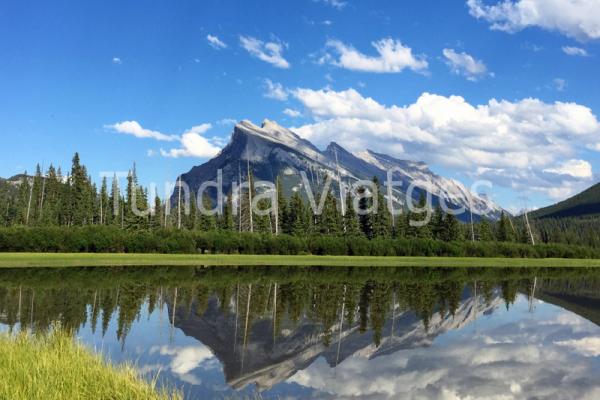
{"points": [[584, 204], [53, 199], [572, 221]]}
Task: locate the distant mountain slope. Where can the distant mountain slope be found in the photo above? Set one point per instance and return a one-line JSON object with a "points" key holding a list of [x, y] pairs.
{"points": [[585, 203], [9, 187], [271, 150]]}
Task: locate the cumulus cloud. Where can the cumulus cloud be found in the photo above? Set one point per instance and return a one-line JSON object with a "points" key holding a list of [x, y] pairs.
{"points": [[393, 57], [183, 361], [574, 168], [215, 42], [520, 144], [117, 60], [193, 144], [270, 52], [579, 19], [135, 129], [465, 65], [574, 51], [588, 346], [274, 90]]}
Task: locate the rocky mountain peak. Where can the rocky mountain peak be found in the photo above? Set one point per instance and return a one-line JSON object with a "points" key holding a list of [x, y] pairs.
{"points": [[273, 150]]}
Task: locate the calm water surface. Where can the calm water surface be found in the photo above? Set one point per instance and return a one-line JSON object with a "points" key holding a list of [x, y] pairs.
{"points": [[279, 332]]}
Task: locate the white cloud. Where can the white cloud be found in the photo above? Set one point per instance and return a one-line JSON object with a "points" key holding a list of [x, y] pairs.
{"points": [[579, 19], [559, 84], [275, 90], [215, 42], [339, 4], [135, 129], [184, 360], [393, 57], [587, 346], [270, 52], [465, 65], [513, 144], [574, 168], [117, 60], [292, 113], [226, 121], [193, 144], [575, 51]]}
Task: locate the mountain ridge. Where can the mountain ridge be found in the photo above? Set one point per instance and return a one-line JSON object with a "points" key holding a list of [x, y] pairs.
{"points": [[271, 150]]}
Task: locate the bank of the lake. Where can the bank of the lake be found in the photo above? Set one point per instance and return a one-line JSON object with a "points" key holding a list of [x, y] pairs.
{"points": [[17, 260], [55, 367]]}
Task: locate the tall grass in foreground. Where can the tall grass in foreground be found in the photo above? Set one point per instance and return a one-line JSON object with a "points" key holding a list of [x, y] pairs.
{"points": [[55, 367]]}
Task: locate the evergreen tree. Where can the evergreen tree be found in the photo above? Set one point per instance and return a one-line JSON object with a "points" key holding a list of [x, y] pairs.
{"points": [[350, 219], [297, 223], [282, 206], [190, 218], [451, 228], [227, 221], [365, 217], [50, 202], [156, 218], [485, 231], [247, 195], [206, 222], [419, 228], [504, 230], [382, 226], [136, 204], [104, 203], [438, 226], [23, 200], [329, 222], [80, 194], [114, 202]]}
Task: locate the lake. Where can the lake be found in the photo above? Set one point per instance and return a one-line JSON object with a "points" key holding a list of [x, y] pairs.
{"points": [[328, 332]]}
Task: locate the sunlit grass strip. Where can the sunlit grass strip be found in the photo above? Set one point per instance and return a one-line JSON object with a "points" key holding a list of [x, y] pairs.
{"points": [[16, 260], [55, 367]]}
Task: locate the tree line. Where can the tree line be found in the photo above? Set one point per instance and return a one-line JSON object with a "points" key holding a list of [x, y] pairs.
{"points": [[54, 199]]}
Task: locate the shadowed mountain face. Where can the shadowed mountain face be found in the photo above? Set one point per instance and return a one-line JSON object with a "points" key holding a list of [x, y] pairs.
{"points": [[270, 151], [265, 356], [586, 203]]}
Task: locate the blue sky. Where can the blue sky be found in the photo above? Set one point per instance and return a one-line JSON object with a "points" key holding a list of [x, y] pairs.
{"points": [[478, 90]]}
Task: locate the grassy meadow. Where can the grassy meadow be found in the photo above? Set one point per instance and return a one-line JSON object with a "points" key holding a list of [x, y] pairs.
{"points": [[16, 260]]}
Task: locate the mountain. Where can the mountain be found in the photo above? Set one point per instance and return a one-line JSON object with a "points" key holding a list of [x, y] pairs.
{"points": [[586, 203], [9, 187], [271, 150], [266, 360]]}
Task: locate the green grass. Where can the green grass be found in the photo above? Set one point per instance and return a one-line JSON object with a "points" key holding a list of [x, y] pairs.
{"points": [[15, 260], [55, 367]]}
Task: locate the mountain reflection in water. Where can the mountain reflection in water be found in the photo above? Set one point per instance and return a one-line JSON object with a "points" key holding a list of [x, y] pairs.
{"points": [[329, 332]]}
